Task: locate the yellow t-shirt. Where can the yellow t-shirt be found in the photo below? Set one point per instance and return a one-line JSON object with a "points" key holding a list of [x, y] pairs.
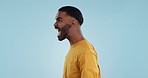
{"points": [[81, 61]]}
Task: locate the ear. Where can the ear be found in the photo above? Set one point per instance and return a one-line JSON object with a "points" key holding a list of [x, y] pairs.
{"points": [[73, 22]]}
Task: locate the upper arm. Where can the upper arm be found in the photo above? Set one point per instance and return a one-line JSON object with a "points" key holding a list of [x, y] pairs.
{"points": [[89, 66]]}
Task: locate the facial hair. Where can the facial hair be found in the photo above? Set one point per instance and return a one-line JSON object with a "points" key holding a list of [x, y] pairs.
{"points": [[64, 32]]}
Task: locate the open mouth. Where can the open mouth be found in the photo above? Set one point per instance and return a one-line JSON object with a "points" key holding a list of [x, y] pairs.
{"points": [[59, 31]]}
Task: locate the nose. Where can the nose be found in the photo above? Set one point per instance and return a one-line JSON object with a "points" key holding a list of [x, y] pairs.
{"points": [[55, 24]]}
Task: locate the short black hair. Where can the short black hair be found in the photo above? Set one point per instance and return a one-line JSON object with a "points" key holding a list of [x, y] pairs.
{"points": [[74, 12]]}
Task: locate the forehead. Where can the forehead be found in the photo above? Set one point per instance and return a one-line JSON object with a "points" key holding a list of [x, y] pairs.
{"points": [[61, 14]]}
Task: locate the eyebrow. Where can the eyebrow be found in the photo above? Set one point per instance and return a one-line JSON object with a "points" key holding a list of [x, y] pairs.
{"points": [[58, 18]]}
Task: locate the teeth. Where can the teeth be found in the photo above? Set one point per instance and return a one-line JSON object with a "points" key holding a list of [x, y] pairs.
{"points": [[59, 33], [57, 29]]}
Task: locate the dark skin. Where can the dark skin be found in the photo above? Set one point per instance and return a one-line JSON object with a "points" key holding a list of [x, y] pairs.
{"points": [[68, 28]]}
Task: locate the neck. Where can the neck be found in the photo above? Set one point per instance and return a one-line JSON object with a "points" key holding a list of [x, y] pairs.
{"points": [[75, 40], [75, 37]]}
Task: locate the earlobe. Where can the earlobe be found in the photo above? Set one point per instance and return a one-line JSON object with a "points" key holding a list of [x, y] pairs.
{"points": [[73, 22]]}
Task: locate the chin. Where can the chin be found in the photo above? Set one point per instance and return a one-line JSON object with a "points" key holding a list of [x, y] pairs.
{"points": [[61, 39]]}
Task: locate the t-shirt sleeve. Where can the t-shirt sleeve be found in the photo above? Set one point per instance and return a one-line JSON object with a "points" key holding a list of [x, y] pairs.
{"points": [[89, 66]]}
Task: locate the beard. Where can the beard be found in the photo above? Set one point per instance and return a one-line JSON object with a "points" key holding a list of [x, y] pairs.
{"points": [[63, 33]]}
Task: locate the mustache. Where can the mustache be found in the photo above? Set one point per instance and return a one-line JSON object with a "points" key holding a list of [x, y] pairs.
{"points": [[67, 26], [57, 27]]}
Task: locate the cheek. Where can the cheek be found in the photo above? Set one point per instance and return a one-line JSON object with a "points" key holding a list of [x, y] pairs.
{"points": [[62, 25], [66, 27]]}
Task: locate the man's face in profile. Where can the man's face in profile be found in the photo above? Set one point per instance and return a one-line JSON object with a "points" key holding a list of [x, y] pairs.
{"points": [[62, 25]]}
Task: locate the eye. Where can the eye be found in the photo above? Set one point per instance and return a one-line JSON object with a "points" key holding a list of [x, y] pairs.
{"points": [[59, 20]]}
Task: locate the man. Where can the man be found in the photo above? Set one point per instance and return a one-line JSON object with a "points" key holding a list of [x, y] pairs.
{"points": [[81, 60]]}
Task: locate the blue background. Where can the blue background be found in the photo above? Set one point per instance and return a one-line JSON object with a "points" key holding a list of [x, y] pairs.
{"points": [[29, 48]]}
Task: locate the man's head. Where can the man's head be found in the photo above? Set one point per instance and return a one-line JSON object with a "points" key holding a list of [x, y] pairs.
{"points": [[67, 17]]}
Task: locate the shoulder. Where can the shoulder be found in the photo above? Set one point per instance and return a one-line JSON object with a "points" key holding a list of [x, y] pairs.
{"points": [[87, 49]]}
